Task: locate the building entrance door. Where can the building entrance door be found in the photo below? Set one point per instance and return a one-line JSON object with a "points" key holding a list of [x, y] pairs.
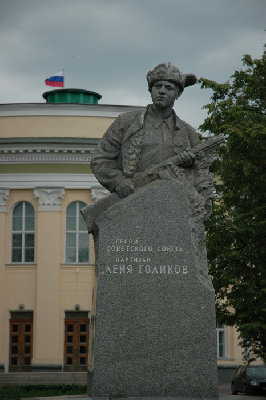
{"points": [[76, 343], [20, 342]]}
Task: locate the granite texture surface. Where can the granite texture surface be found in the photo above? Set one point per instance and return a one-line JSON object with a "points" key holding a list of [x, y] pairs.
{"points": [[153, 324]]}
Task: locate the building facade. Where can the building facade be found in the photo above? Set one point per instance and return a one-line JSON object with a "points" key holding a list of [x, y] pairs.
{"points": [[46, 255]]}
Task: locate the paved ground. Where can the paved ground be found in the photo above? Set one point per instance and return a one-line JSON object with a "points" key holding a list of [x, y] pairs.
{"points": [[224, 394]]}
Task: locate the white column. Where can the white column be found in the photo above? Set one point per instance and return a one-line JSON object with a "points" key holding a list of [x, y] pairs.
{"points": [[49, 199], [47, 319], [4, 195], [98, 194]]}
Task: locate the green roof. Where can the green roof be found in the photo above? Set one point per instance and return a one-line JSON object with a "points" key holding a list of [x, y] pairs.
{"points": [[80, 96]]}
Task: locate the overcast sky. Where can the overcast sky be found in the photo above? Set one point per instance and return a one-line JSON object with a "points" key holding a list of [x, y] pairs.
{"points": [[109, 45]]}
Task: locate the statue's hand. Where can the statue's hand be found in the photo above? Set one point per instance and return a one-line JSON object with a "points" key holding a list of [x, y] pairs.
{"points": [[124, 188], [185, 159]]}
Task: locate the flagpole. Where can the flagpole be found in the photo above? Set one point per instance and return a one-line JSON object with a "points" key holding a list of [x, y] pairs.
{"points": [[63, 69]]}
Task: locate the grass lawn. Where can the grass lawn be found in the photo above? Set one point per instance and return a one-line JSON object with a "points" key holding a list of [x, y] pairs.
{"points": [[17, 392]]}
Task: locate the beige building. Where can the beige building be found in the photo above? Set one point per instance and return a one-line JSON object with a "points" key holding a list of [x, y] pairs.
{"points": [[46, 256]]}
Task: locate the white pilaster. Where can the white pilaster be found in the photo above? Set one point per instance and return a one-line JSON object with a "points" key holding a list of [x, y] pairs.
{"points": [[4, 194], [98, 194], [49, 199]]}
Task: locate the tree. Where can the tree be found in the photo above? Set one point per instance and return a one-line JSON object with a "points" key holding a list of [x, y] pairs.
{"points": [[236, 230]]}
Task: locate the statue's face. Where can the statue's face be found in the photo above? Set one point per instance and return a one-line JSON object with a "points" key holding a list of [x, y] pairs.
{"points": [[164, 93]]}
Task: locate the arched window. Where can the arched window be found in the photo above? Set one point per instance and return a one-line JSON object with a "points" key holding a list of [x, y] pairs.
{"points": [[23, 227], [77, 238]]}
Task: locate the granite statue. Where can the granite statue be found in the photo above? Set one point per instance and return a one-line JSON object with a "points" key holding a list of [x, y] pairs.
{"points": [[153, 319], [137, 140], [142, 146]]}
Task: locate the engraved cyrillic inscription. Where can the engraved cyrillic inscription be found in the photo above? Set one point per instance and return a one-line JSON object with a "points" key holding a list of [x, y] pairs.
{"points": [[124, 261]]}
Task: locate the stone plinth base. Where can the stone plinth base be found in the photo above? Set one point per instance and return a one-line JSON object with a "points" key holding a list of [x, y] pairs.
{"points": [[154, 334]]}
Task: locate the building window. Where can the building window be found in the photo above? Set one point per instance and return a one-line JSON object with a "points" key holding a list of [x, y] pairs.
{"points": [[221, 341], [247, 352], [23, 237], [77, 238]]}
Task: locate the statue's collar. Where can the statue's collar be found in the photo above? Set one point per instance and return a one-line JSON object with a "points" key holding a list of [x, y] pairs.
{"points": [[139, 121], [157, 121]]}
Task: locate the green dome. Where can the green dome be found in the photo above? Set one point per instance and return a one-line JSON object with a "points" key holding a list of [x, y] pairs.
{"points": [[80, 96]]}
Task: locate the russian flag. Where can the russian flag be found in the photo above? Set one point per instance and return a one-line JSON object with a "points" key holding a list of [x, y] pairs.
{"points": [[56, 80]]}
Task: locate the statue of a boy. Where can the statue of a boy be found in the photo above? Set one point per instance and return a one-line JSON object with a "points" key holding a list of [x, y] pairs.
{"points": [[139, 139]]}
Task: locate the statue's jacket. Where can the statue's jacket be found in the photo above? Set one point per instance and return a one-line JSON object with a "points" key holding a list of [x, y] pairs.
{"points": [[116, 157]]}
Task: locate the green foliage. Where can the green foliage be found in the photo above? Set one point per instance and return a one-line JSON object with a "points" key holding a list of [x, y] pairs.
{"points": [[18, 392], [236, 229]]}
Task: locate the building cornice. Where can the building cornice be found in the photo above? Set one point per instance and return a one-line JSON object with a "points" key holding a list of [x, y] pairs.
{"points": [[66, 181], [58, 140], [62, 109], [46, 152]]}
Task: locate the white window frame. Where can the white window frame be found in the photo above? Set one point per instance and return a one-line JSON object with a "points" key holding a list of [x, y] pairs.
{"points": [[222, 328], [77, 232], [23, 232]]}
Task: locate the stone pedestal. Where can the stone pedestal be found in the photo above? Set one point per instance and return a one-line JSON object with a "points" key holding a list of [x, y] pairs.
{"points": [[154, 333]]}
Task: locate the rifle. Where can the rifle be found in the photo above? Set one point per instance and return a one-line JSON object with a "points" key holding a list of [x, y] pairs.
{"points": [[92, 211], [209, 145]]}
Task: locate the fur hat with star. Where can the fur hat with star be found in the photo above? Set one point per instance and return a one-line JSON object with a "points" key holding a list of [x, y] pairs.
{"points": [[169, 72]]}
